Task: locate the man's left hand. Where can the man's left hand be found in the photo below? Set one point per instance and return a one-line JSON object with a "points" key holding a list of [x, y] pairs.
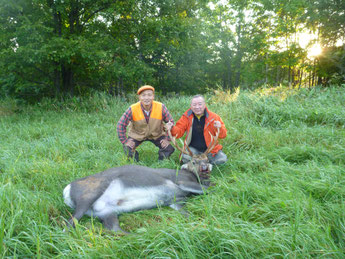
{"points": [[217, 124], [164, 143], [168, 125]]}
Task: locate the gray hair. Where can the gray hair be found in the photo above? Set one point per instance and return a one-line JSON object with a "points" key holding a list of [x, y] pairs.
{"points": [[198, 96]]}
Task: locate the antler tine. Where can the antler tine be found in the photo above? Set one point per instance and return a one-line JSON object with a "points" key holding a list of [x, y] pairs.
{"points": [[173, 140], [190, 151], [213, 142]]}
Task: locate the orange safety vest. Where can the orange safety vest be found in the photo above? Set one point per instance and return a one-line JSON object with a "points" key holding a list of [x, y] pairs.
{"points": [[139, 129]]}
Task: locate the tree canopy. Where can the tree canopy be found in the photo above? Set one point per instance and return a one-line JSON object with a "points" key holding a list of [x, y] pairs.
{"points": [[73, 47]]}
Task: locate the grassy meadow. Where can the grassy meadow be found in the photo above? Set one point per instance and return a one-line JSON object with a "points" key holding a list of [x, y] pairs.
{"points": [[281, 194]]}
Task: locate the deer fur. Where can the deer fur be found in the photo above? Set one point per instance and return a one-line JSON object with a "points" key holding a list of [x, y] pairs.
{"points": [[131, 188]]}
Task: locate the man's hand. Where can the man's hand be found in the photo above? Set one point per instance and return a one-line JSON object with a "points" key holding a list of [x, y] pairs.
{"points": [[164, 143], [130, 143], [169, 125], [217, 124]]}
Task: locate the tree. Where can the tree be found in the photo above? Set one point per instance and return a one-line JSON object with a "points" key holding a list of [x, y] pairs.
{"points": [[55, 44], [327, 18]]}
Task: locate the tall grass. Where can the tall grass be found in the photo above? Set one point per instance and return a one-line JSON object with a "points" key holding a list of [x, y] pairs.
{"points": [[281, 194]]}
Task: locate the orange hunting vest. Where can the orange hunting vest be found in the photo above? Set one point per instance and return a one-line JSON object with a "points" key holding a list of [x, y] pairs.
{"points": [[139, 129]]}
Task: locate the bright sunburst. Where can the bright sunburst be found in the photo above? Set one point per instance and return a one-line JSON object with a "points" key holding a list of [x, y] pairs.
{"points": [[314, 50], [305, 39]]}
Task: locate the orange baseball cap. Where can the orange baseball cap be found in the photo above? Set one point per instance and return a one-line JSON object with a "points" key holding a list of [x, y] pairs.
{"points": [[145, 87]]}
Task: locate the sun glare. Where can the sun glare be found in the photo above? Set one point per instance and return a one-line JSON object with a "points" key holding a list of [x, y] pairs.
{"points": [[305, 39], [314, 51]]}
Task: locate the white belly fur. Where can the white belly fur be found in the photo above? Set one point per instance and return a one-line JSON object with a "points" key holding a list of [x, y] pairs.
{"points": [[118, 199], [67, 196]]}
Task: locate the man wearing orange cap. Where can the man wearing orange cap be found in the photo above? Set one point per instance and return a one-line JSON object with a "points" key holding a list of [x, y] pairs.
{"points": [[145, 119]]}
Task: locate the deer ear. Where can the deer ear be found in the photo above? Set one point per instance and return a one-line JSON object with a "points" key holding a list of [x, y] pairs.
{"points": [[184, 166], [192, 187]]}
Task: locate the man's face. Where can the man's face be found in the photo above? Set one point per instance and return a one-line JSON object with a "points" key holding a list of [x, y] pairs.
{"points": [[146, 97], [198, 106]]}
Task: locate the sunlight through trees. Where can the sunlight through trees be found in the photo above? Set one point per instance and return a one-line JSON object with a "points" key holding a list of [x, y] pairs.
{"points": [[55, 48]]}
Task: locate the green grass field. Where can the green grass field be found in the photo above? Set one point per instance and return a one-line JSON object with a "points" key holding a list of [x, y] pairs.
{"points": [[281, 194]]}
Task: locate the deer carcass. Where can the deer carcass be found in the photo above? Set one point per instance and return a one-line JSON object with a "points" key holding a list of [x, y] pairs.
{"points": [[132, 187]]}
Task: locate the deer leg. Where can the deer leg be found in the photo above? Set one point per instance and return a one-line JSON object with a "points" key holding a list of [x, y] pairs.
{"points": [[78, 213], [111, 222]]}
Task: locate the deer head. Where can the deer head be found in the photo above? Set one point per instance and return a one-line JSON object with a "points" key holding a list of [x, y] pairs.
{"points": [[199, 163]]}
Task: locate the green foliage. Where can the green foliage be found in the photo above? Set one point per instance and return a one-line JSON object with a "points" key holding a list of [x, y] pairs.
{"points": [[53, 48], [280, 194], [331, 65]]}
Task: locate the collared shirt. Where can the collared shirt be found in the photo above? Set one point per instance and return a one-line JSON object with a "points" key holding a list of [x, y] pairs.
{"points": [[127, 117]]}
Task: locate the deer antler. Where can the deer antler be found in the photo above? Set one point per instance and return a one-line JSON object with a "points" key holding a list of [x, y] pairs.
{"points": [[173, 140], [213, 142]]}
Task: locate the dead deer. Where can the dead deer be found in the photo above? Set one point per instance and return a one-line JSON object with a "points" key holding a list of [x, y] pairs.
{"points": [[131, 188]]}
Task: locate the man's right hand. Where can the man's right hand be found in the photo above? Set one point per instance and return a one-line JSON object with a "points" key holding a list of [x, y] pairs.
{"points": [[130, 143]]}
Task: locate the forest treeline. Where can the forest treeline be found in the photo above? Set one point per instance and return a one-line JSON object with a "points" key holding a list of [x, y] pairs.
{"points": [[73, 47]]}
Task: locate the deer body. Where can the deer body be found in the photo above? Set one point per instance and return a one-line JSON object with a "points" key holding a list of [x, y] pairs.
{"points": [[129, 188], [132, 187]]}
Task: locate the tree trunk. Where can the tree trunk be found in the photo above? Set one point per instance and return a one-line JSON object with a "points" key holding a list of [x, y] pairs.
{"points": [[73, 18], [289, 75], [239, 55], [224, 81], [266, 70], [57, 31], [313, 78], [229, 78], [178, 77], [300, 79], [57, 79], [121, 88], [228, 85], [67, 80], [112, 88], [278, 76], [293, 81]]}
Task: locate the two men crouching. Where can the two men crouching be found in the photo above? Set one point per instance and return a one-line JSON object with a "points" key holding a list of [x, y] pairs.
{"points": [[146, 120]]}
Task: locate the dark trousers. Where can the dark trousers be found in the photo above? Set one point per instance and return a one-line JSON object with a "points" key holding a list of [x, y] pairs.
{"points": [[162, 152]]}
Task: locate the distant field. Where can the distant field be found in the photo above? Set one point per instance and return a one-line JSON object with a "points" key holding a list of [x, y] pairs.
{"points": [[281, 194]]}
